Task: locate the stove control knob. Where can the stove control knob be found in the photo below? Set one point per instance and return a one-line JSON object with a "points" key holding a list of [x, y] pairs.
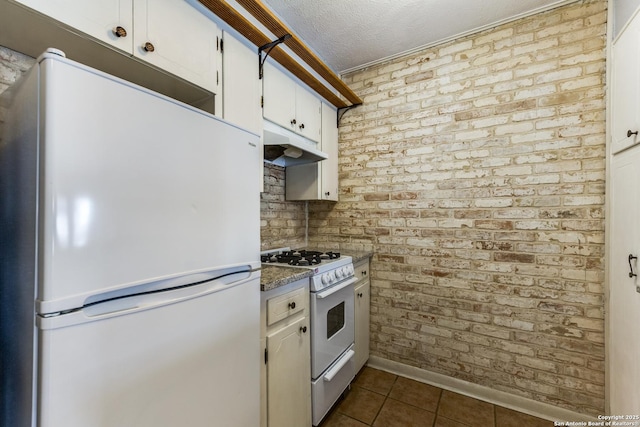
{"points": [[333, 276], [325, 279], [351, 270], [345, 271], [339, 273]]}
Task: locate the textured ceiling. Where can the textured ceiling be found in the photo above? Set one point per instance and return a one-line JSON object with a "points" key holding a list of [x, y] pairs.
{"points": [[349, 34]]}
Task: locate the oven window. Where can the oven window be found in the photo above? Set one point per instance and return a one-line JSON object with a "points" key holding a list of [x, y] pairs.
{"points": [[335, 320]]}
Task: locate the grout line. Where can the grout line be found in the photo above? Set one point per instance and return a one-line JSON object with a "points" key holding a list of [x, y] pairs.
{"points": [[435, 419], [386, 396]]}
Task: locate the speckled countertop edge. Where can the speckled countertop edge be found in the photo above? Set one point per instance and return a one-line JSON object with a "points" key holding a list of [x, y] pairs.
{"points": [[274, 276], [358, 255]]}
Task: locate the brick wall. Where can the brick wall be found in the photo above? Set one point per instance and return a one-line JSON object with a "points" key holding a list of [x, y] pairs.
{"points": [[282, 223], [12, 65], [475, 171]]}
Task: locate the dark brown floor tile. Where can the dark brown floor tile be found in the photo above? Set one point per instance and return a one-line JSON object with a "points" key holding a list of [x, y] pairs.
{"points": [[466, 410], [397, 414], [375, 380], [446, 422], [361, 404], [416, 393], [337, 419], [509, 418]]}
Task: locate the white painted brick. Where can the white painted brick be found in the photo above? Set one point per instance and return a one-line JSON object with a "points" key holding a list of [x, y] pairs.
{"points": [[494, 36], [480, 166], [515, 128], [535, 93], [494, 78], [535, 47], [456, 47]]}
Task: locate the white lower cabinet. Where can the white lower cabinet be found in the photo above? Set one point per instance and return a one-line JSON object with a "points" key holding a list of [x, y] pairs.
{"points": [[362, 315], [286, 373]]}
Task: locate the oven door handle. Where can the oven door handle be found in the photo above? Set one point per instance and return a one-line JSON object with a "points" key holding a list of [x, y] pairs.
{"points": [[338, 366], [332, 290]]}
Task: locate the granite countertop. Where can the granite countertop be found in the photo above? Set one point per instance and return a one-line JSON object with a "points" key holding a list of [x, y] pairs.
{"points": [[358, 255], [274, 276]]}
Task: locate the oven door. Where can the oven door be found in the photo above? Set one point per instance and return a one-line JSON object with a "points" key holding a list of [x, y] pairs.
{"points": [[332, 329]]}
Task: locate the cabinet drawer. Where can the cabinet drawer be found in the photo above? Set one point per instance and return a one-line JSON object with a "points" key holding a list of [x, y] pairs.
{"points": [[281, 307], [362, 270]]}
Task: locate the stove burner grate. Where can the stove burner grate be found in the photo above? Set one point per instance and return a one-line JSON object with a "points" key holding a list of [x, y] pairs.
{"points": [[300, 257]]}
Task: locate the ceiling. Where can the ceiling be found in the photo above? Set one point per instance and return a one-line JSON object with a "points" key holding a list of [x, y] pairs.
{"points": [[350, 34]]}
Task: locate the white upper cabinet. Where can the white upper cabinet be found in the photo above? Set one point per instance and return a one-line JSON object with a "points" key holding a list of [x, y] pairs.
{"points": [[170, 34], [329, 167], [290, 105], [279, 97], [183, 40], [318, 181], [625, 83], [110, 21], [241, 86], [308, 114]]}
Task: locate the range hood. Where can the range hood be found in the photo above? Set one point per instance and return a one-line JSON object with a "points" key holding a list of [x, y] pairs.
{"points": [[283, 147]]}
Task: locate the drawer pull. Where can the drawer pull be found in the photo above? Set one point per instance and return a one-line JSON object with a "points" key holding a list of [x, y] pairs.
{"points": [[148, 46], [303, 329], [119, 32], [292, 305]]}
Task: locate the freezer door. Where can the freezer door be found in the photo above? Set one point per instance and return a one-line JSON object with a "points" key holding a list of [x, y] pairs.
{"points": [[136, 186], [185, 359]]}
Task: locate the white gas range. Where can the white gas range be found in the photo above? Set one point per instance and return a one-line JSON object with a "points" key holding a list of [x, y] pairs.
{"points": [[332, 321]]}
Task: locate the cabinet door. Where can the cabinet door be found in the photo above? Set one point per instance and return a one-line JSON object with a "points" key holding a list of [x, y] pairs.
{"points": [[362, 301], [289, 376], [308, 114], [279, 93], [184, 40], [317, 181], [624, 287], [329, 167], [241, 86], [97, 18], [625, 82]]}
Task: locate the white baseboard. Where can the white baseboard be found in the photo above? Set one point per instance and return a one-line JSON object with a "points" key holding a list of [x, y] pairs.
{"points": [[480, 392]]}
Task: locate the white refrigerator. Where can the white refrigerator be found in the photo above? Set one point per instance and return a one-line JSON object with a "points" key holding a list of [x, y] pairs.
{"points": [[129, 253]]}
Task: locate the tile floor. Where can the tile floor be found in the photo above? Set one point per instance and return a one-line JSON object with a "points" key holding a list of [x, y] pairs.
{"points": [[381, 399]]}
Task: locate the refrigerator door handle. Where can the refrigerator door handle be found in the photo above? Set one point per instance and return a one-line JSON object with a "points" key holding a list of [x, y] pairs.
{"points": [[75, 302], [128, 304]]}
